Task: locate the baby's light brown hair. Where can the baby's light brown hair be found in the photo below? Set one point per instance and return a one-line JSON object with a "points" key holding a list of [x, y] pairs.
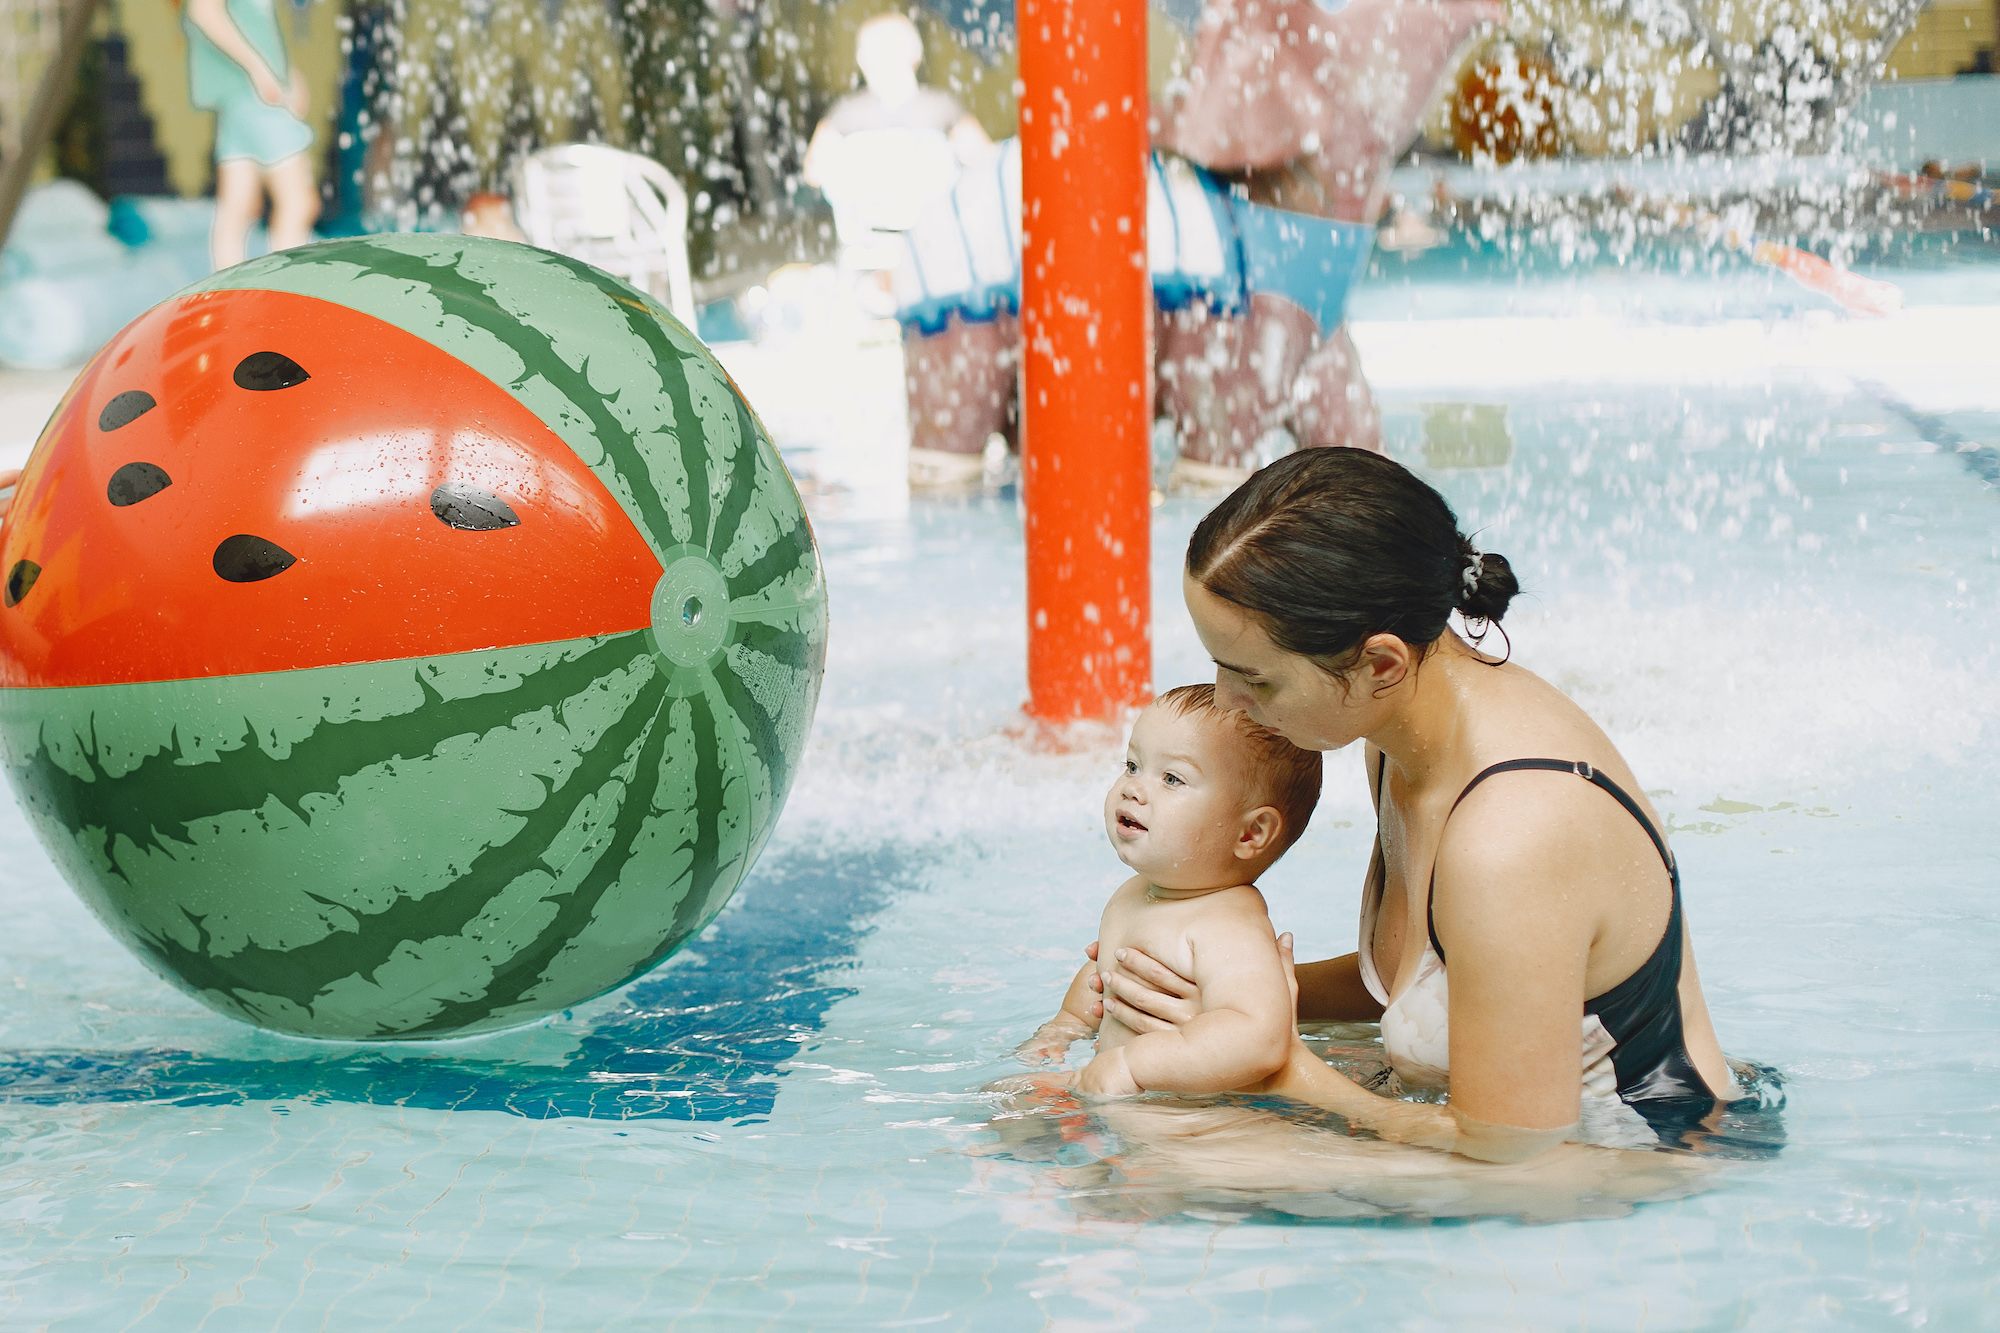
{"points": [[1281, 774]]}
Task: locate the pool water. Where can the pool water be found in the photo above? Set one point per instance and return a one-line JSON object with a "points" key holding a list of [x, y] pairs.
{"points": [[1763, 550]]}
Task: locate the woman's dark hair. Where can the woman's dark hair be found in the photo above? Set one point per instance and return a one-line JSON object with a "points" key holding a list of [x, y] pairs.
{"points": [[1326, 547]]}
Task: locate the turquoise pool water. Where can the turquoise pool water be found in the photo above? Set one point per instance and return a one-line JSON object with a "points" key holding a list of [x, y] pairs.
{"points": [[1763, 551]]}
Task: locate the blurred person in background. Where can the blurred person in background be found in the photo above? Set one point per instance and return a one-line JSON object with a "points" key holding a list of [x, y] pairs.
{"points": [[887, 50], [884, 152], [238, 68]]}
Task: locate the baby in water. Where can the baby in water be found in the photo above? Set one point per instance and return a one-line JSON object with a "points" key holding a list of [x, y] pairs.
{"points": [[1208, 801]]}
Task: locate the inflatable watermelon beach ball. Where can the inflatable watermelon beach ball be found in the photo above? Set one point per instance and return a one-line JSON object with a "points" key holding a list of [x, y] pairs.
{"points": [[405, 637]]}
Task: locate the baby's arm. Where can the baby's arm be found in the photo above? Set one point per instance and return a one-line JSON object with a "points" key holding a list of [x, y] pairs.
{"points": [[1073, 1022], [1243, 1034]]}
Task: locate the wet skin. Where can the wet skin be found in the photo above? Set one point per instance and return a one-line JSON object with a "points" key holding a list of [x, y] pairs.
{"points": [[1546, 893]]}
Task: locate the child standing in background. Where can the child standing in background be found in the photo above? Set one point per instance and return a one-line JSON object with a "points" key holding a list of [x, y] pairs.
{"points": [[238, 69]]}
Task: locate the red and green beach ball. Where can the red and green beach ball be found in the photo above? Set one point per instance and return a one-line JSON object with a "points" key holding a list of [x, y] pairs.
{"points": [[406, 636]]}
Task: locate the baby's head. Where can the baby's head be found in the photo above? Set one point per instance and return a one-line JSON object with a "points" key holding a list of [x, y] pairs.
{"points": [[1208, 798]]}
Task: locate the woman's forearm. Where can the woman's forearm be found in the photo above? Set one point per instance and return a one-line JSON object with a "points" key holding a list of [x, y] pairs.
{"points": [[1333, 992], [1308, 1078]]}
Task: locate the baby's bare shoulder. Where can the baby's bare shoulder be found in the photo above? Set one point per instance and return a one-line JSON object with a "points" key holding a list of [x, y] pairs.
{"points": [[1230, 914], [1245, 901], [1232, 935]]}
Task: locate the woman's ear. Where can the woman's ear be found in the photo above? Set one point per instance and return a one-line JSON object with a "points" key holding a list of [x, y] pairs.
{"points": [[1386, 662], [1259, 832]]}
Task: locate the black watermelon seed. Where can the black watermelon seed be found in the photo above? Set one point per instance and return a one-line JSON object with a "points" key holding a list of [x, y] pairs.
{"points": [[462, 505], [265, 371], [247, 559], [135, 482], [21, 578], [125, 409]]}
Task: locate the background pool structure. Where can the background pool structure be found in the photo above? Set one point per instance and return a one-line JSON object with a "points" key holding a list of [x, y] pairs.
{"points": [[1761, 544]]}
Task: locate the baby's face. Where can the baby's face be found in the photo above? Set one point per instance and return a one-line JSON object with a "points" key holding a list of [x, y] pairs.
{"points": [[1175, 813]]}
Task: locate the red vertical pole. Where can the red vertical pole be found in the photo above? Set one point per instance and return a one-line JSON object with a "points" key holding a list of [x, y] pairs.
{"points": [[1086, 475]]}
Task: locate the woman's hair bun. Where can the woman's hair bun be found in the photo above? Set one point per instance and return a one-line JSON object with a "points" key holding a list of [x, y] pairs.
{"points": [[1486, 597], [1326, 547]]}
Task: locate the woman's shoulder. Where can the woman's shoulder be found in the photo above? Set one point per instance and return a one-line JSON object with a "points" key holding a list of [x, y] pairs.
{"points": [[1546, 831], [1526, 717]]}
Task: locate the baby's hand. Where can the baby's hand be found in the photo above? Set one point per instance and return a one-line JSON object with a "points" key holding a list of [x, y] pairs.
{"points": [[1042, 1050], [1107, 1076], [1051, 1041]]}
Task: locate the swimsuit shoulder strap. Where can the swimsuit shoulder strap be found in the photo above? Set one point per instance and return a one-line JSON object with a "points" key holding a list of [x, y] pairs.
{"points": [[1583, 770]]}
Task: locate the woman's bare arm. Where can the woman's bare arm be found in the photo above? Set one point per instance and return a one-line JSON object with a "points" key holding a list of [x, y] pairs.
{"points": [[1307, 1078], [1332, 992], [1449, 1128], [1148, 996], [1506, 910]]}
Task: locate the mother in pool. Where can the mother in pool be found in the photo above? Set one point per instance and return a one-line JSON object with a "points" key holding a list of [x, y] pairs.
{"points": [[1522, 937]]}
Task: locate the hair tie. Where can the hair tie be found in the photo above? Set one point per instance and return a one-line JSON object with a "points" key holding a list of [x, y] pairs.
{"points": [[1474, 568]]}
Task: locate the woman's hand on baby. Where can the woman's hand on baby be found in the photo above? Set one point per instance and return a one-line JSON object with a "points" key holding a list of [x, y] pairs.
{"points": [[1146, 995], [1291, 972], [1096, 983]]}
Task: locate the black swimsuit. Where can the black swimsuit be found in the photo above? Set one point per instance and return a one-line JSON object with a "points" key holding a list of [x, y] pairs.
{"points": [[1642, 1013]]}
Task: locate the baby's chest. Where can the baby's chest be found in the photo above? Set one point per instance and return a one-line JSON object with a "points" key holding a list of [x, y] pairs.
{"points": [[1163, 942]]}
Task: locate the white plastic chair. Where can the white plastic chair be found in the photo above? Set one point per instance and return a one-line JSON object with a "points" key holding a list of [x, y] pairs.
{"points": [[620, 211]]}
